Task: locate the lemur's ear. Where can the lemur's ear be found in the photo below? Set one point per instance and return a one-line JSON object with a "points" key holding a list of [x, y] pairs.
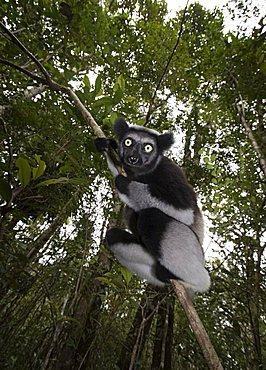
{"points": [[120, 127], [165, 141]]}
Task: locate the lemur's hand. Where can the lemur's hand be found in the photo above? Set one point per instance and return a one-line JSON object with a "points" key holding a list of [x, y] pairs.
{"points": [[102, 144]]}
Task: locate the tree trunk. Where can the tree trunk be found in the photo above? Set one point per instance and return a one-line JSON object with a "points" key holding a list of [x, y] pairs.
{"points": [[162, 350], [253, 299], [137, 335], [160, 335], [170, 333]]}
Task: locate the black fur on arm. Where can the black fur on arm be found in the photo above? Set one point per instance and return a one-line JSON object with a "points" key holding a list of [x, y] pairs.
{"points": [[102, 144], [169, 184], [122, 183]]}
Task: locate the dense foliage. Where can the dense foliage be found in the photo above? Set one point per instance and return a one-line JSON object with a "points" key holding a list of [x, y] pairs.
{"points": [[64, 302]]}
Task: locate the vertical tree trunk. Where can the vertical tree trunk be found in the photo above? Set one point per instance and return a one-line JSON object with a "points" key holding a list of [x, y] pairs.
{"points": [[162, 350], [82, 358], [253, 299], [159, 341], [170, 333], [137, 335], [81, 332]]}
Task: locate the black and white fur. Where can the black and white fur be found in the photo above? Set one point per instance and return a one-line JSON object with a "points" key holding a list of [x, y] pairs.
{"points": [[165, 223]]}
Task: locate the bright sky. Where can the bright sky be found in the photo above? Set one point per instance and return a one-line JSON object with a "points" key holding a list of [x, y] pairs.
{"points": [[175, 5], [210, 4]]}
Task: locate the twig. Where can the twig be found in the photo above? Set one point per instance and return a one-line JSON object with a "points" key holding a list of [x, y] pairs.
{"points": [[239, 104], [25, 71], [241, 113], [197, 327], [152, 105], [16, 41]]}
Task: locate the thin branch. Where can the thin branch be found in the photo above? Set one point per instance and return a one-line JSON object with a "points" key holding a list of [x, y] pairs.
{"points": [[16, 41], [25, 71], [58, 88], [197, 327], [241, 113], [37, 244], [140, 330], [239, 104], [152, 105]]}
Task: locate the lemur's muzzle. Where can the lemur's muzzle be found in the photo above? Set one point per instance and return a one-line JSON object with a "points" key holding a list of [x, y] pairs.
{"points": [[133, 156], [132, 159]]}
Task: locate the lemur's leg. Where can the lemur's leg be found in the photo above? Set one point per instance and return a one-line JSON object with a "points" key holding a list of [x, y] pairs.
{"points": [[131, 218], [132, 255], [176, 248]]}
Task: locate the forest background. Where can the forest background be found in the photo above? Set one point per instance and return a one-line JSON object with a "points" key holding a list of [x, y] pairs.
{"points": [[64, 301]]}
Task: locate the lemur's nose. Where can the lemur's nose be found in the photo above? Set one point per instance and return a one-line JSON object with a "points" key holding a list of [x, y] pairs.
{"points": [[132, 159]]}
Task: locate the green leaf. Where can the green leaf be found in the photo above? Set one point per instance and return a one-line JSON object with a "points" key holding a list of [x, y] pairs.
{"points": [[98, 85], [104, 101], [24, 172], [59, 180], [106, 281], [113, 117], [118, 96], [5, 190], [38, 171], [119, 84], [63, 180], [201, 151], [87, 82], [127, 275]]}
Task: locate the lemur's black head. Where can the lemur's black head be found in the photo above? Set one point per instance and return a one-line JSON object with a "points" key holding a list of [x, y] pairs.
{"points": [[140, 148]]}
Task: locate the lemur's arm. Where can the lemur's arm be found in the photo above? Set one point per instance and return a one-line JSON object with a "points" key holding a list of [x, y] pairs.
{"points": [[138, 196]]}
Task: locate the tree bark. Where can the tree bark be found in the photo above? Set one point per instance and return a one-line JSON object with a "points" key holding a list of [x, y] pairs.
{"points": [[201, 335], [137, 335], [253, 267], [250, 135], [170, 332], [159, 347]]}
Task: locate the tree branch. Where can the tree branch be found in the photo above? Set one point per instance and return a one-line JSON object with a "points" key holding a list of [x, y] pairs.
{"points": [[197, 327], [58, 88], [241, 113], [152, 105], [16, 41], [24, 71], [239, 104]]}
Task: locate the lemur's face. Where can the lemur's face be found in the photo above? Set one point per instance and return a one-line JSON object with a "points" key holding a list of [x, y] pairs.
{"points": [[140, 148], [138, 151]]}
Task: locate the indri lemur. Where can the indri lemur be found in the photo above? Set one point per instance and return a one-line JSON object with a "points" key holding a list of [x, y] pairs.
{"points": [[165, 223]]}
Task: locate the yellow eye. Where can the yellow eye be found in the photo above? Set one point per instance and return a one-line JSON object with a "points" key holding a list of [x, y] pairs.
{"points": [[148, 148], [128, 142]]}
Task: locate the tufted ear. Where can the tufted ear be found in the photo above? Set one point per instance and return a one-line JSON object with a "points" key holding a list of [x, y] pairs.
{"points": [[120, 127], [165, 141]]}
